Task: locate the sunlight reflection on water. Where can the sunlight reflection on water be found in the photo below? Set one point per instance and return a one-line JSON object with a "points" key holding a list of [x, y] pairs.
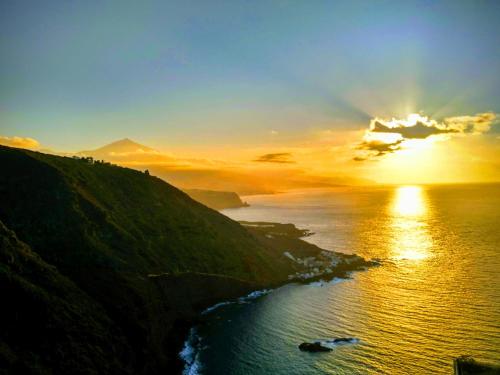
{"points": [[409, 211]]}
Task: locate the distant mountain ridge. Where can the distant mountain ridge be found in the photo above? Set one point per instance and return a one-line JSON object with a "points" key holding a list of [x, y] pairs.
{"points": [[124, 145], [217, 200]]}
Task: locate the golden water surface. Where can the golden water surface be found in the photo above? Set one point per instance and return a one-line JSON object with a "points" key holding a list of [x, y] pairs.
{"points": [[435, 297]]}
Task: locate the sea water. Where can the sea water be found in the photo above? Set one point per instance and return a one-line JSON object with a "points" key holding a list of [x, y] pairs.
{"points": [[436, 295]]}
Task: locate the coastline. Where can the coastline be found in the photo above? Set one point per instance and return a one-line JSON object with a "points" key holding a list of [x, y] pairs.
{"points": [[282, 236]]}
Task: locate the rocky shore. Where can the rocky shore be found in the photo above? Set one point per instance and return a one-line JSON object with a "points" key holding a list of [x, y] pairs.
{"points": [[306, 263], [466, 365]]}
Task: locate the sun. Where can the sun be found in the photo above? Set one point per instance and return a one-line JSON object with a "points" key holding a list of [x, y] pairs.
{"points": [[408, 201]]}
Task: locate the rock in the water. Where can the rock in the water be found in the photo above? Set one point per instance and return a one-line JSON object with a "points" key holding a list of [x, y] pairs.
{"points": [[313, 347]]}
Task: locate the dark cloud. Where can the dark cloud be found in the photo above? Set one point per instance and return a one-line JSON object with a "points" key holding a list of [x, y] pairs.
{"points": [[378, 148], [283, 157], [359, 158], [417, 131]]}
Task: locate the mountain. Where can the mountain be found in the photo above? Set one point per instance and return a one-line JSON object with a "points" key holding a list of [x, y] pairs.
{"points": [[127, 151], [122, 146], [102, 266]]}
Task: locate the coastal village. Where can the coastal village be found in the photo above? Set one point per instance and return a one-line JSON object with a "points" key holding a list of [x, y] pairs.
{"points": [[325, 265], [309, 262]]}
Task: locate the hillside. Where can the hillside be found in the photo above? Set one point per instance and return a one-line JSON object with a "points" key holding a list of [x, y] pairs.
{"points": [[47, 320], [108, 229], [106, 213], [131, 245]]}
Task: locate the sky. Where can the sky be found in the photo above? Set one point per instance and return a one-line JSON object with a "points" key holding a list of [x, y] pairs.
{"points": [[237, 81]]}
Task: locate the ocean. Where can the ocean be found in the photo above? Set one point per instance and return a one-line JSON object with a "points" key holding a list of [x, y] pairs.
{"points": [[436, 295]]}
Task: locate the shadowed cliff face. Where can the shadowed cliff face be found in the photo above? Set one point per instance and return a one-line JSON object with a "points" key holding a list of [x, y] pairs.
{"points": [[218, 200], [48, 323], [102, 233]]}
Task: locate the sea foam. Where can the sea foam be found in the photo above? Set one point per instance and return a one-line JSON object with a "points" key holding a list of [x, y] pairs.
{"points": [[254, 295], [335, 280], [246, 299], [331, 343], [190, 353], [192, 346], [215, 307]]}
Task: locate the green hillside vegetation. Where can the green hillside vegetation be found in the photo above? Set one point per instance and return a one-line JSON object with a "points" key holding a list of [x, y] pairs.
{"points": [[103, 232], [120, 219]]}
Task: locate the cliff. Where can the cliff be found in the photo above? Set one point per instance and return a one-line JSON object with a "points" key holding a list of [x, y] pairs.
{"points": [[218, 200]]}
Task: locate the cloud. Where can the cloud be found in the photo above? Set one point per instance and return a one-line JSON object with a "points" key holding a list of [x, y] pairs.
{"points": [[19, 142], [421, 127], [478, 124], [420, 130], [358, 158], [378, 147], [283, 157], [388, 136]]}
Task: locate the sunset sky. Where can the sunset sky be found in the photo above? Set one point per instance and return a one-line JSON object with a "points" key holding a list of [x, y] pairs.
{"points": [[387, 91]]}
